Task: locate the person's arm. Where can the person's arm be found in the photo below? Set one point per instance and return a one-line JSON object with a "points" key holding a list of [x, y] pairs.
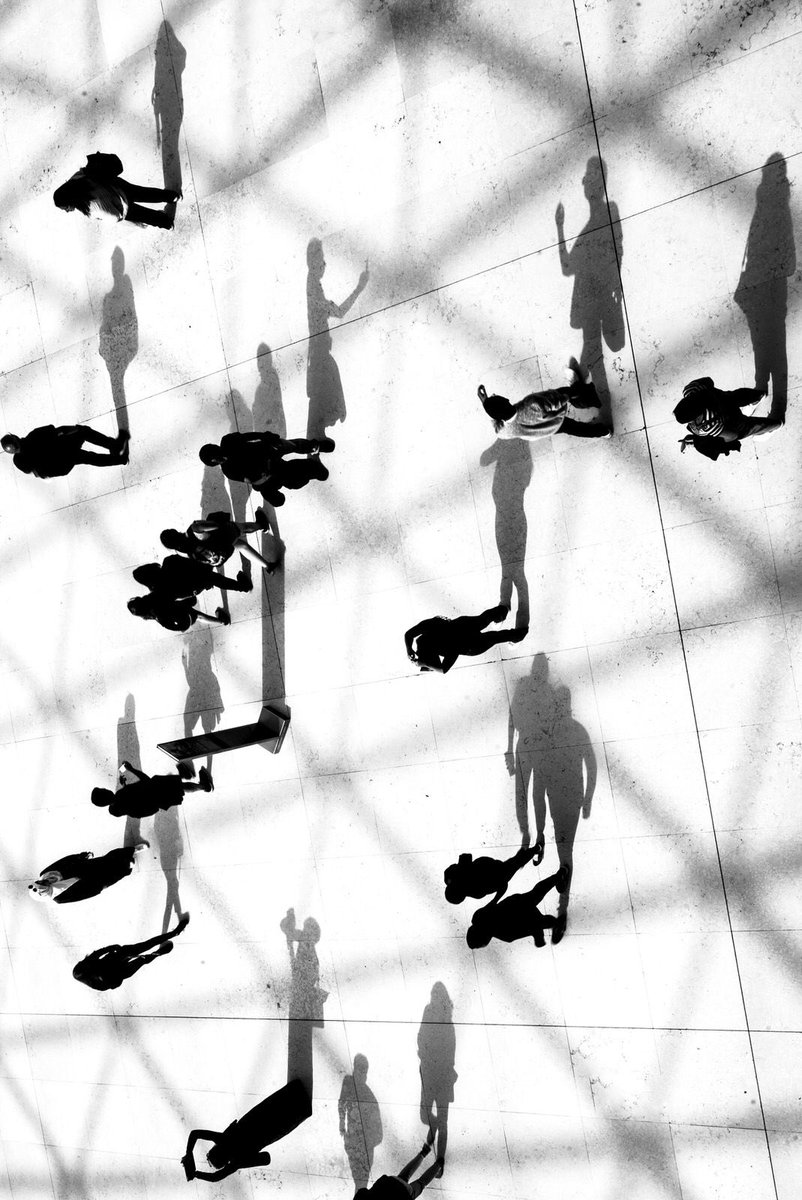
{"points": [[213, 1176], [590, 779], [188, 1161], [744, 397], [339, 310], [133, 771], [209, 618], [565, 257], [409, 638], [447, 662]]}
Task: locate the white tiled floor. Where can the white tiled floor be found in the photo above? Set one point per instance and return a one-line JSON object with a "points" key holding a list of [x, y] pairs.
{"points": [[656, 1051]]}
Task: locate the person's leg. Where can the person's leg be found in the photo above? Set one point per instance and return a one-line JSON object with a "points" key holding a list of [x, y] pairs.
{"points": [[306, 445], [147, 195], [252, 554], [480, 643], [414, 1163], [204, 782], [583, 395], [297, 473], [139, 215], [432, 1172], [557, 880], [755, 426], [584, 429]]}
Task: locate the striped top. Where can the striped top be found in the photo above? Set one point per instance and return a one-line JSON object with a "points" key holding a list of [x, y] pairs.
{"points": [[536, 416]]}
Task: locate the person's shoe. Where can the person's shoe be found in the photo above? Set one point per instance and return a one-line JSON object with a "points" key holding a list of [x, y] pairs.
{"points": [[140, 846], [558, 929], [320, 472], [165, 948], [573, 372], [326, 445], [481, 392], [222, 616], [186, 770], [608, 434], [205, 780], [518, 635], [502, 611], [245, 582], [561, 883], [123, 438], [183, 921], [260, 516], [425, 1149], [175, 196], [540, 848], [441, 1166]]}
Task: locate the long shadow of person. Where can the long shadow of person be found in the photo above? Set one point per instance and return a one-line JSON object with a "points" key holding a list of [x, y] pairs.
{"points": [[167, 99], [170, 843], [204, 701], [268, 414], [553, 752], [268, 406], [306, 996], [511, 477], [323, 384], [128, 751], [360, 1121], [437, 1048], [594, 260], [118, 340], [762, 291]]}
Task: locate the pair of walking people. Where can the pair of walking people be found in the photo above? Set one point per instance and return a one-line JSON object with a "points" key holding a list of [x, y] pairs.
{"points": [[260, 459]]}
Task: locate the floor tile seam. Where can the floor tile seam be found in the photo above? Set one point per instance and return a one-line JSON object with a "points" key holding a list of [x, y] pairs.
{"points": [[689, 686]]}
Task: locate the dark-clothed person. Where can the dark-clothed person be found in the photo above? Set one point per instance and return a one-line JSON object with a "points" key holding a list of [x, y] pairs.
{"points": [[53, 450], [714, 420]]}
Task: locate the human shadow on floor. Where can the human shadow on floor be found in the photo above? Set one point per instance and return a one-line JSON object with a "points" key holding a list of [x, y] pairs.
{"points": [[306, 996], [511, 477], [170, 845], [128, 751], [762, 291], [167, 99], [118, 340], [554, 755], [268, 406], [594, 261], [268, 415], [437, 1048], [323, 383], [204, 701], [360, 1121]]}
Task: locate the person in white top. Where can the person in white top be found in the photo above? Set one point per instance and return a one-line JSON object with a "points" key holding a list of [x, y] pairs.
{"points": [[542, 414]]}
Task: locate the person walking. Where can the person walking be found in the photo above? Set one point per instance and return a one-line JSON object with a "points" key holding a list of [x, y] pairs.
{"points": [[478, 877], [259, 460], [107, 968], [436, 643], [149, 793], [516, 916], [399, 1187], [81, 876], [542, 414], [182, 578], [98, 190], [175, 615], [50, 451], [214, 538], [242, 1143], [714, 420]]}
